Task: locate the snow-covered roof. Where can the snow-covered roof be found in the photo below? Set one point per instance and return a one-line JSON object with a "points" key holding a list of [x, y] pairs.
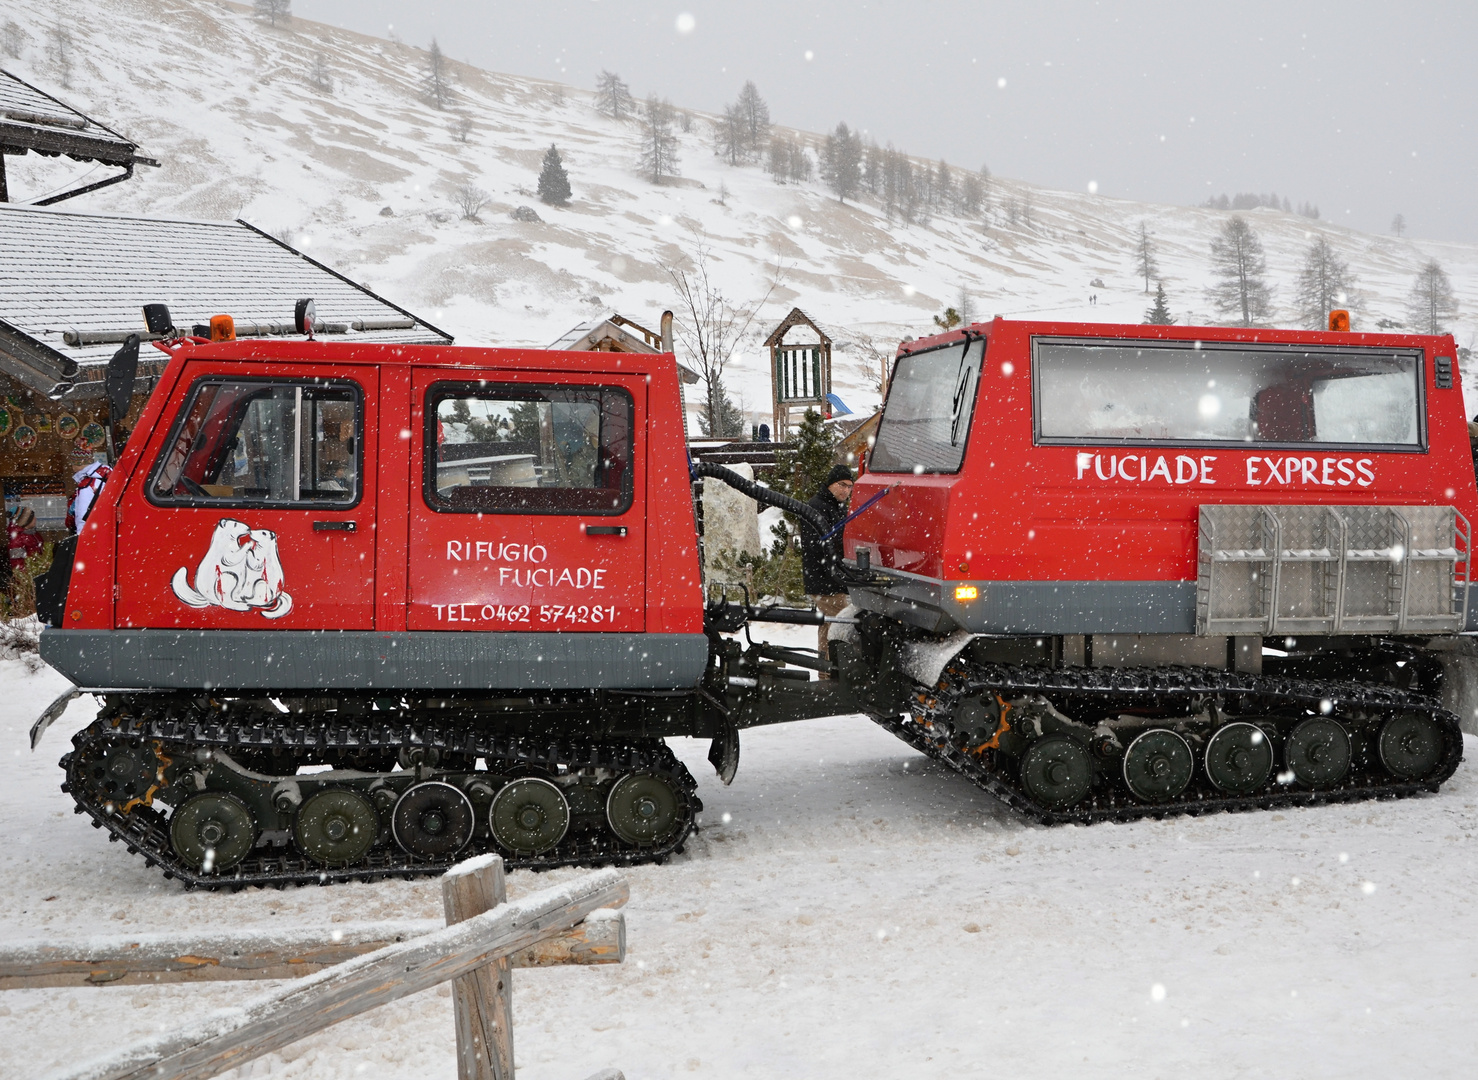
{"points": [[607, 335], [590, 335], [73, 287], [31, 119]]}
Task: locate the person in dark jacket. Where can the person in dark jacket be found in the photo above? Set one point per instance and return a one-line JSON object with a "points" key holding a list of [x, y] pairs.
{"points": [[821, 559]]}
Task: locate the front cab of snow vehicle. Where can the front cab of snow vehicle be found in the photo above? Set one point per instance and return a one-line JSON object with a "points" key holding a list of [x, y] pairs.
{"points": [[1136, 569], [359, 609]]}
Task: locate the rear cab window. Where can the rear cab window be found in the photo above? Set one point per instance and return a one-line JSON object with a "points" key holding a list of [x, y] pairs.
{"points": [[1205, 394], [516, 448]]}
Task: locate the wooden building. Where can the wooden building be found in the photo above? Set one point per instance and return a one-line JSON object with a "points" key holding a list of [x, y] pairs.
{"points": [[800, 370], [617, 333], [72, 289]]}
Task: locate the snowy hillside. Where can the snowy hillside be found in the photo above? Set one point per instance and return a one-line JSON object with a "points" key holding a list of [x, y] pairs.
{"points": [[229, 106]]}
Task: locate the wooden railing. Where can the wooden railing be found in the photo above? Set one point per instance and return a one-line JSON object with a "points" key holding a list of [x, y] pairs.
{"points": [[356, 970]]}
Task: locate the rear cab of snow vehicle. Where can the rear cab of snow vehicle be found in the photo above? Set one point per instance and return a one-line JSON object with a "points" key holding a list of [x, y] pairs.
{"points": [[309, 516], [1238, 503], [359, 609]]}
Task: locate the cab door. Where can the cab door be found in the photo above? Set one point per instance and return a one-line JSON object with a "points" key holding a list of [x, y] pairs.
{"points": [[531, 514], [257, 507]]}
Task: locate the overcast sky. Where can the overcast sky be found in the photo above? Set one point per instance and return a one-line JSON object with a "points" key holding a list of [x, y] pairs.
{"points": [[1365, 108]]}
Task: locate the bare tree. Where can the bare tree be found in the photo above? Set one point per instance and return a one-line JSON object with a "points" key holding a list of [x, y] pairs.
{"points": [[470, 199], [659, 145], [710, 328], [461, 127], [437, 79], [1237, 258], [319, 75], [1431, 304], [274, 11], [612, 96], [59, 52], [1324, 284], [13, 38], [1398, 224], [1144, 256]]}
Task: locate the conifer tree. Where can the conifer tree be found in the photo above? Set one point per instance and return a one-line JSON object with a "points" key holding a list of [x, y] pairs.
{"points": [[437, 78], [1431, 304], [1144, 256], [1323, 285], [1241, 291], [659, 145], [1159, 314], [800, 471], [841, 162], [754, 117], [612, 96], [554, 182]]}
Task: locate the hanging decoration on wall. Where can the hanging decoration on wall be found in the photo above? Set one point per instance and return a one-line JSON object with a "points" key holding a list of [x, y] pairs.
{"points": [[67, 426], [4, 422], [93, 436], [25, 436]]}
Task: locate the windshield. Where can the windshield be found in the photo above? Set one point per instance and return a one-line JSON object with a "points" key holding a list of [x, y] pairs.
{"points": [[927, 418]]}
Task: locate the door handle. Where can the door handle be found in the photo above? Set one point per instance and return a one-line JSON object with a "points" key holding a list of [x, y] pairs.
{"points": [[335, 526], [605, 530]]}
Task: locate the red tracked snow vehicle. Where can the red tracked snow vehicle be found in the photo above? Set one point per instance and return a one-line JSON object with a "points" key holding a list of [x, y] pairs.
{"points": [[355, 610]]}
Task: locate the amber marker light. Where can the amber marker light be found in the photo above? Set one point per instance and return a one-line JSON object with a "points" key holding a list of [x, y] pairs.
{"points": [[1339, 321], [222, 328], [967, 592]]}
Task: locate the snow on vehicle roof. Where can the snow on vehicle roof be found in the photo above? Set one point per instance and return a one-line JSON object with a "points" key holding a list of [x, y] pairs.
{"points": [[73, 286]]}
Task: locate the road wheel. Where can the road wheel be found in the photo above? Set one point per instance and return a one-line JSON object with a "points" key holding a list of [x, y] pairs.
{"points": [[336, 827], [212, 832], [1318, 752], [1158, 765], [644, 810], [1410, 746], [529, 816], [432, 819], [1239, 758], [1056, 771]]}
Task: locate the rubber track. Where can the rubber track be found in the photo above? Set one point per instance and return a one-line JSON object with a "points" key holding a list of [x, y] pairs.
{"points": [[146, 831], [1238, 693]]}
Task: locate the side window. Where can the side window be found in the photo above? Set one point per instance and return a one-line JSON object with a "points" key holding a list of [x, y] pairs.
{"points": [[514, 448], [255, 443]]}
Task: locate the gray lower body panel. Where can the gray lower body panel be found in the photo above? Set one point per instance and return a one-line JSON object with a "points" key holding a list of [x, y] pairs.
{"points": [[369, 660], [1038, 607]]}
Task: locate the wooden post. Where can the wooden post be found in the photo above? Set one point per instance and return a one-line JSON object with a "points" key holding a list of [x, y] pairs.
{"points": [[482, 1000], [258, 1025]]}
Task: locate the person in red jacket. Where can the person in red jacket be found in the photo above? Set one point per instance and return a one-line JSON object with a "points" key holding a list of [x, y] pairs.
{"points": [[24, 541]]}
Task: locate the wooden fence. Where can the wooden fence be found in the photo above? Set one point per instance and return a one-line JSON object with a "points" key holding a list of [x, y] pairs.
{"points": [[358, 969]]}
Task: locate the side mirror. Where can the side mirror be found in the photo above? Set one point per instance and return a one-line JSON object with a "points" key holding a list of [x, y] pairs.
{"points": [[118, 381], [118, 386], [157, 319]]}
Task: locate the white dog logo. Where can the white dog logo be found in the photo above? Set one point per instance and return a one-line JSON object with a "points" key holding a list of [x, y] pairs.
{"points": [[240, 572]]}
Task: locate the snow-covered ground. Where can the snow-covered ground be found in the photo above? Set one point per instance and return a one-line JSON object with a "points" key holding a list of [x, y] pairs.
{"points": [[850, 910]]}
